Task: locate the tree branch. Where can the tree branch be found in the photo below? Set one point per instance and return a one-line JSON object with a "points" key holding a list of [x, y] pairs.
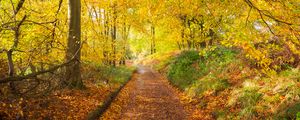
{"points": [[7, 25], [262, 12], [270, 29], [34, 75], [247, 19], [19, 6]]}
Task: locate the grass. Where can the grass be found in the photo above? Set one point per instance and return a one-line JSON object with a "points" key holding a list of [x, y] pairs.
{"points": [[108, 75], [276, 97], [207, 83], [181, 72], [222, 73], [190, 66], [114, 75]]}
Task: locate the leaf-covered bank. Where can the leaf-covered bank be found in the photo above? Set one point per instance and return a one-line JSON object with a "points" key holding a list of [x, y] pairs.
{"points": [[63, 103], [222, 84]]}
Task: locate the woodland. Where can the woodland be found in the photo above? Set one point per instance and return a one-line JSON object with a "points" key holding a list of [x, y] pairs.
{"points": [[149, 59]]}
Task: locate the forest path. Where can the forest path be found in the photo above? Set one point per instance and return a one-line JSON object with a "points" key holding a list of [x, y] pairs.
{"points": [[150, 97]]}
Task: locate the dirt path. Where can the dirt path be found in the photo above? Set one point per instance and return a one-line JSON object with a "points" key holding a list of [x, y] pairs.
{"points": [[149, 97]]}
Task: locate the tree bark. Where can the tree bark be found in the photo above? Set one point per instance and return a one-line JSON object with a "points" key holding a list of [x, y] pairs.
{"points": [[11, 71], [153, 48], [114, 34], [9, 53], [73, 74]]}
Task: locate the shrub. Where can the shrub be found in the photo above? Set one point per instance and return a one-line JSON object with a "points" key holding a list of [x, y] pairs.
{"points": [[190, 66], [181, 72]]}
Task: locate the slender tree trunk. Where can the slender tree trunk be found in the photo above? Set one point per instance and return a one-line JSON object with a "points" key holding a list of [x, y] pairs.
{"points": [[114, 34], [182, 39], [9, 53], [105, 31], [153, 47], [73, 74], [11, 71]]}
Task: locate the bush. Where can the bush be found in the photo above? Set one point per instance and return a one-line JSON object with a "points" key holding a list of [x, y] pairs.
{"points": [[190, 66], [181, 72], [216, 59]]}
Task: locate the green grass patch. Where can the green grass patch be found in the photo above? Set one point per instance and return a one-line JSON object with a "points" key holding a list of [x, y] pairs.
{"points": [[104, 75], [191, 66], [181, 72], [115, 75]]}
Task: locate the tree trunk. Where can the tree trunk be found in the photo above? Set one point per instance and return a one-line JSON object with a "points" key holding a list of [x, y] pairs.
{"points": [[73, 75], [11, 71], [114, 34], [153, 48], [11, 66], [182, 39]]}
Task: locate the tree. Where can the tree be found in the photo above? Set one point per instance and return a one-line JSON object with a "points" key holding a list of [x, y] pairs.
{"points": [[73, 75], [9, 53]]}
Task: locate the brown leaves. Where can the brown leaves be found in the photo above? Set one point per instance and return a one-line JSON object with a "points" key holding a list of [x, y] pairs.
{"points": [[62, 104]]}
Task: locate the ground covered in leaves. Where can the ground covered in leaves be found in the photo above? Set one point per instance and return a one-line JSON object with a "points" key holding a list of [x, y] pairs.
{"points": [[62, 104], [147, 96]]}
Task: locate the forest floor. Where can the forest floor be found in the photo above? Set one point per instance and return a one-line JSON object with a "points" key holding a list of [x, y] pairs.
{"points": [[148, 96], [60, 102]]}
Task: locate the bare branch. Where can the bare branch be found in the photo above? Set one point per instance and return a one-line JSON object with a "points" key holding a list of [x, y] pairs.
{"points": [[247, 19], [270, 29], [33, 75], [59, 6], [22, 21], [267, 13], [7, 25], [19, 6]]}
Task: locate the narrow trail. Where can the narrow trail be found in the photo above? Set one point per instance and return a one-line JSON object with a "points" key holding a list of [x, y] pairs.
{"points": [[150, 97]]}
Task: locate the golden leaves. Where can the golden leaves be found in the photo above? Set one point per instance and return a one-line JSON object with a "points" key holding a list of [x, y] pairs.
{"points": [[63, 104]]}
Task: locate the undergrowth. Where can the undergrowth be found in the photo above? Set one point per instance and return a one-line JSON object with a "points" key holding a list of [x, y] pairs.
{"points": [[181, 72], [109, 75], [199, 71], [220, 72]]}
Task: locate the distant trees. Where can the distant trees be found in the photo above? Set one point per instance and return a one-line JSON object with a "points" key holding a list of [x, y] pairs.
{"points": [[267, 32], [106, 31]]}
